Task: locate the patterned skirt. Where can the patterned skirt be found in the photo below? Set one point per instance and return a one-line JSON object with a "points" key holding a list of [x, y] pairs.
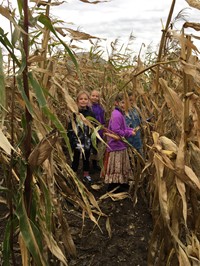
{"points": [[117, 168]]}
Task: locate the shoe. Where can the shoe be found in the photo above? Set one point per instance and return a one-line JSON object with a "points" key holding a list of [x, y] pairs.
{"points": [[87, 179]]}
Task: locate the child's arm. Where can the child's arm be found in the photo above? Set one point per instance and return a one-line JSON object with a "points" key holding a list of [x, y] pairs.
{"points": [[116, 127]]}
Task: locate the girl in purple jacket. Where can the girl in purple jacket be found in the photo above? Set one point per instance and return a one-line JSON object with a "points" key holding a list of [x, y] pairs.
{"points": [[117, 169]]}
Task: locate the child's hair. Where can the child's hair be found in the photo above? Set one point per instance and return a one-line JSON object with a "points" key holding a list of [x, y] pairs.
{"points": [[119, 97], [82, 92], [130, 93], [96, 91]]}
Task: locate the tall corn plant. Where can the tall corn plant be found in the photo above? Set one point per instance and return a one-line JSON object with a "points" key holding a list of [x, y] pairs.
{"points": [[174, 184], [35, 209]]}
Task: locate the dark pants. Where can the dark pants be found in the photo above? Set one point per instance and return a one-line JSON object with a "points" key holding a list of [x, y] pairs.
{"points": [[76, 159]]}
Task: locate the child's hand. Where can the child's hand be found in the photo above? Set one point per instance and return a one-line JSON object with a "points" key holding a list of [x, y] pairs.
{"points": [[133, 132]]}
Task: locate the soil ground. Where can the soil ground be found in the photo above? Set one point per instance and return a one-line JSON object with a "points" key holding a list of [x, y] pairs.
{"points": [[130, 229]]}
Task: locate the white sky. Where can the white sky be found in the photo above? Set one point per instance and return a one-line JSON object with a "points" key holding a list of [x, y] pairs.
{"points": [[119, 18]]}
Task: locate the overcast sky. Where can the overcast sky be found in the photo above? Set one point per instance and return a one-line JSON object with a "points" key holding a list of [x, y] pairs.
{"points": [[119, 18]]}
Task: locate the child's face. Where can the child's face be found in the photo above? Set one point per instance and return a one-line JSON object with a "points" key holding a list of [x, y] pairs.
{"points": [[83, 100], [94, 97], [131, 100], [121, 105]]}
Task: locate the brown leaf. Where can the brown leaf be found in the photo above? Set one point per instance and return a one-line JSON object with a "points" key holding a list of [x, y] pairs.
{"points": [[79, 35], [194, 3], [173, 100], [43, 149], [95, 2]]}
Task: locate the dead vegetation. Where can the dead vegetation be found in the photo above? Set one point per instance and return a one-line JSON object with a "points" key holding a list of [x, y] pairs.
{"points": [[37, 98]]}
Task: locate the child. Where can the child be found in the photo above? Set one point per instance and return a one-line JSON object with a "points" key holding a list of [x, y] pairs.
{"points": [[82, 140], [133, 120], [117, 168], [99, 112]]}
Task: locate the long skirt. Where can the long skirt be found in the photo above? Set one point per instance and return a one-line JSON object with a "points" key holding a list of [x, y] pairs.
{"points": [[117, 168]]}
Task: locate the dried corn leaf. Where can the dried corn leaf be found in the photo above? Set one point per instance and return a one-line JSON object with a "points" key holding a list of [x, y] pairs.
{"points": [[194, 250], [68, 99], [195, 158], [43, 149], [4, 11], [193, 25], [47, 3], [180, 159], [192, 178], [66, 235], [78, 35], [195, 110], [112, 135], [194, 3], [23, 250], [183, 258], [5, 144], [53, 246], [162, 189], [85, 120], [181, 189], [173, 100], [108, 227], [35, 58], [94, 2], [192, 70], [184, 42]]}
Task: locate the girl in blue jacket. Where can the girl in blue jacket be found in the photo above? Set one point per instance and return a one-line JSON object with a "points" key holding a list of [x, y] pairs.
{"points": [[134, 120]]}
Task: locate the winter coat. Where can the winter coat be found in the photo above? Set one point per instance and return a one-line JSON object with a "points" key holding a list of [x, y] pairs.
{"points": [[83, 137], [99, 115], [117, 125]]}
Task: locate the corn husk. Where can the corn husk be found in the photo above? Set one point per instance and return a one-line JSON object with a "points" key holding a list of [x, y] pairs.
{"points": [[168, 144], [170, 154]]}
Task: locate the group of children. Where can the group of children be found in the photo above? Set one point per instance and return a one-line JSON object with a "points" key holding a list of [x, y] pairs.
{"points": [[116, 170]]}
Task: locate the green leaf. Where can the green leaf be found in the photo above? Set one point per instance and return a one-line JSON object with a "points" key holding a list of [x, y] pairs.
{"points": [[38, 91], [6, 245], [6, 251], [23, 94], [47, 199], [9, 47], [28, 234]]}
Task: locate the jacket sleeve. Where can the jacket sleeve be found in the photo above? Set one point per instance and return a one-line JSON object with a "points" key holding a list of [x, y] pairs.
{"points": [[72, 136], [116, 126], [102, 116]]}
